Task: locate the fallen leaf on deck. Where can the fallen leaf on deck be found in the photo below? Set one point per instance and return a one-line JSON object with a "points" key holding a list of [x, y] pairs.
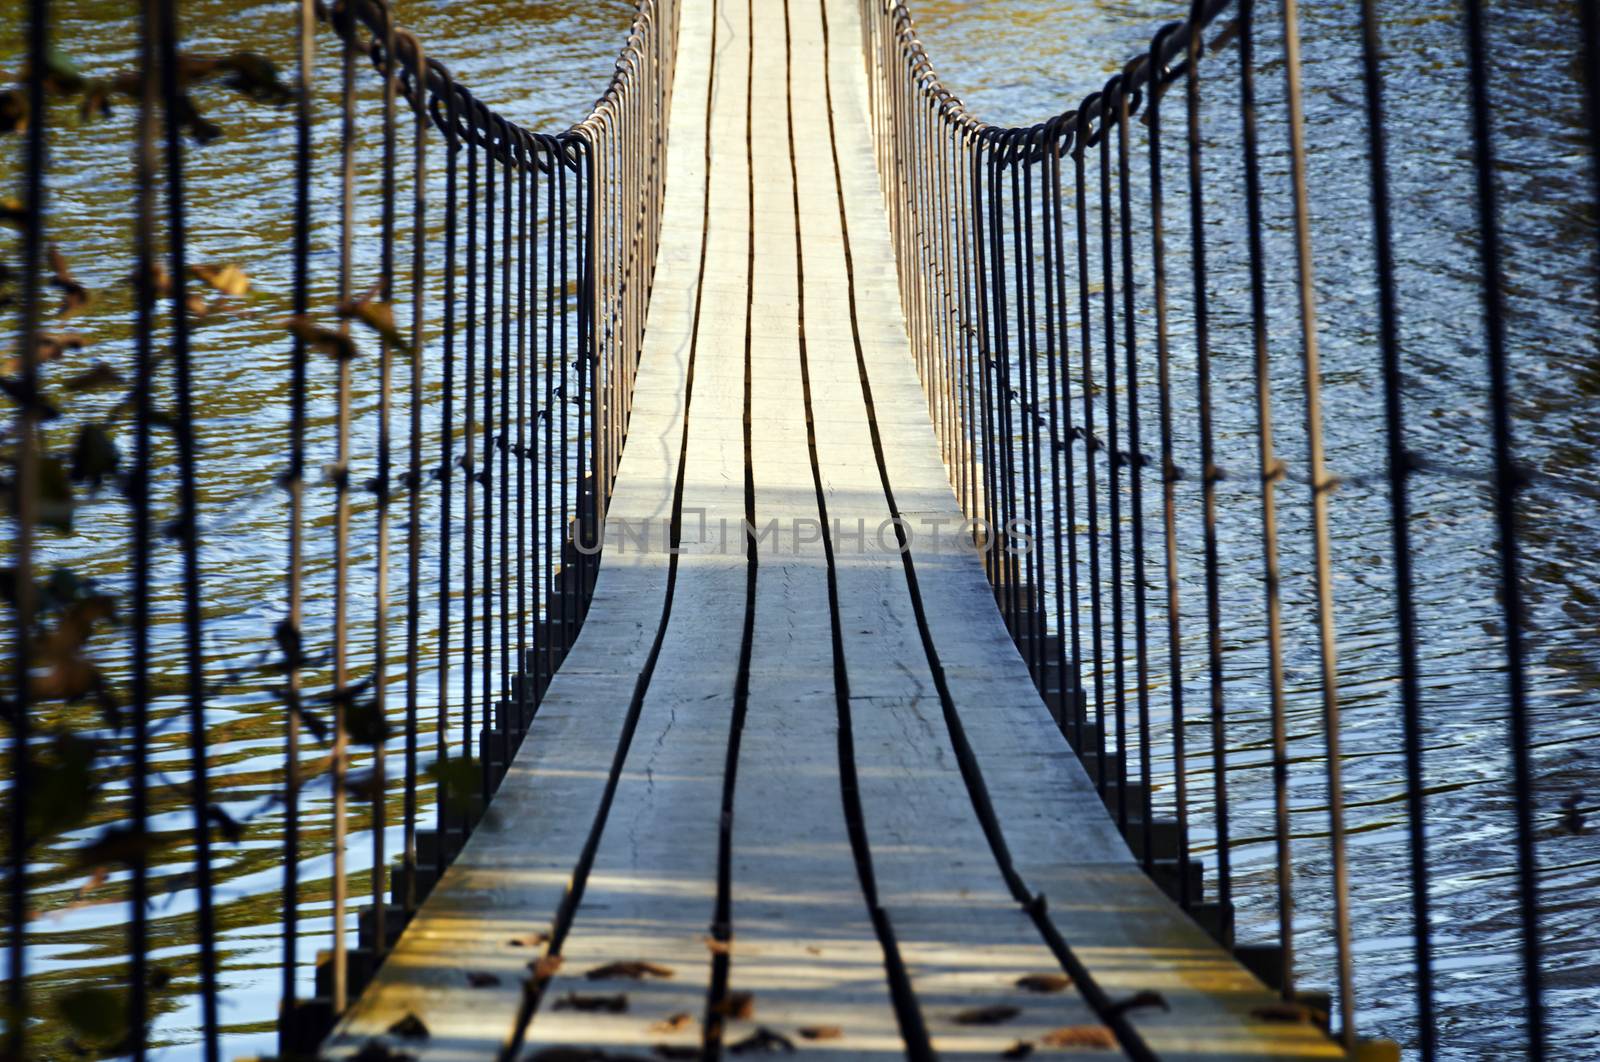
{"points": [[532, 940], [630, 971], [409, 1027], [763, 1040], [681, 1020], [1080, 1036], [545, 967], [821, 1032], [1020, 1049], [478, 979], [616, 1004], [1049, 982], [1138, 1001], [736, 1005], [1297, 1013], [991, 1015]]}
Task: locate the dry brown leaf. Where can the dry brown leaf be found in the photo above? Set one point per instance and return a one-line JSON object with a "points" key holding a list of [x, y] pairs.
{"points": [[479, 979], [627, 971], [681, 1020], [990, 1015], [1046, 982], [737, 1005], [1020, 1049], [617, 1004], [1080, 1036], [545, 967], [228, 279], [821, 1032]]}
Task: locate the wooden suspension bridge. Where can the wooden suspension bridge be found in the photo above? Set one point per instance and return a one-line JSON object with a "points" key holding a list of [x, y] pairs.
{"points": [[849, 821]]}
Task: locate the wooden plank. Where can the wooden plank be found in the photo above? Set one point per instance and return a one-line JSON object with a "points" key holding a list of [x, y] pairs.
{"points": [[966, 942], [460, 965], [1131, 937], [651, 895]]}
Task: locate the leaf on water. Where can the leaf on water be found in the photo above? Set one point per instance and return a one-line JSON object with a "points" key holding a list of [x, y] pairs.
{"points": [[990, 1015], [60, 782], [77, 297], [1046, 982], [737, 1005], [47, 348], [61, 75], [764, 1041], [630, 971], [1080, 1036], [13, 111], [409, 1027], [256, 77], [326, 340], [12, 212], [586, 1004], [228, 279], [364, 722], [96, 101], [378, 316], [94, 455], [98, 1015], [820, 1032], [190, 120], [55, 493], [98, 377]]}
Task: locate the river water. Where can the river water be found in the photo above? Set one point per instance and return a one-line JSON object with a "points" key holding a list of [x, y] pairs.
{"points": [[1018, 61]]}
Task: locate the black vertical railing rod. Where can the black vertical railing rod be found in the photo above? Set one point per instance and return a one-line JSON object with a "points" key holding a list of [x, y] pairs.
{"points": [[1271, 473], [1508, 481], [1060, 449], [380, 619], [175, 105], [1210, 472], [524, 178], [1170, 472], [1108, 288], [447, 468], [487, 476], [27, 515], [147, 296], [509, 180], [1135, 461], [1399, 470], [1062, 142], [469, 442], [292, 640], [1091, 443], [414, 483]]}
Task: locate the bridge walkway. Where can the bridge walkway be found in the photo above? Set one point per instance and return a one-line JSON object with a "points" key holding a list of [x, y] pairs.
{"points": [[804, 779]]}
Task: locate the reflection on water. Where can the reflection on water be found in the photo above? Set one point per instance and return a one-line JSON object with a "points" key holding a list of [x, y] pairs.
{"points": [[1014, 61], [1017, 61]]}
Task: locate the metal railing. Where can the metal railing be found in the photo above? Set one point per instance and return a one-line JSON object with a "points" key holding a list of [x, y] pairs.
{"points": [[1034, 278], [478, 383]]}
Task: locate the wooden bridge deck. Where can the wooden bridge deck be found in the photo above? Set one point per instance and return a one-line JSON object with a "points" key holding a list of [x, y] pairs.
{"points": [[775, 307]]}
